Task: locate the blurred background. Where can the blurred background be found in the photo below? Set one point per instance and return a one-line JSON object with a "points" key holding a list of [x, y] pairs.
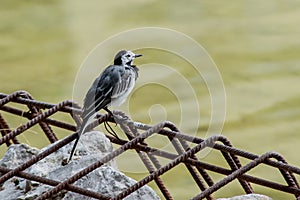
{"points": [[255, 45]]}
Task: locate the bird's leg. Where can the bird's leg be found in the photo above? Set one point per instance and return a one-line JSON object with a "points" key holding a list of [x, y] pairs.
{"points": [[110, 130], [108, 127], [107, 110]]}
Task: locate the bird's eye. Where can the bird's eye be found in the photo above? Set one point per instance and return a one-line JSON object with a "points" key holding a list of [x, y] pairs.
{"points": [[128, 56]]}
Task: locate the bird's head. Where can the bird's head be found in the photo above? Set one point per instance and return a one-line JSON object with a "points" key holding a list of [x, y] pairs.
{"points": [[124, 57]]}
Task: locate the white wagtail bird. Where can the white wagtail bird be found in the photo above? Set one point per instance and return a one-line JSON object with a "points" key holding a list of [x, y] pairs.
{"points": [[111, 88]]}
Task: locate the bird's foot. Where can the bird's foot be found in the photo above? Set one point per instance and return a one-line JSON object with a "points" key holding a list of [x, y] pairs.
{"points": [[110, 130], [107, 110]]}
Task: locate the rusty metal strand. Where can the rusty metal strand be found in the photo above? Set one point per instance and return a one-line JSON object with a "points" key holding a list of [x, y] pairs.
{"points": [[54, 183], [236, 174], [220, 147], [180, 151], [233, 151], [99, 120], [217, 169], [48, 132], [253, 156], [221, 170], [291, 179], [34, 121], [53, 122], [14, 97], [143, 155], [40, 156], [178, 148], [60, 124], [184, 147], [156, 163], [246, 186], [103, 160], [15, 111], [157, 180], [8, 98], [147, 154], [228, 149], [248, 178], [234, 164], [4, 129], [206, 143], [128, 132], [45, 127], [76, 118], [203, 173]]}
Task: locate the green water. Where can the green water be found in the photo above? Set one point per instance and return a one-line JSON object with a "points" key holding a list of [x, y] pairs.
{"points": [[255, 45]]}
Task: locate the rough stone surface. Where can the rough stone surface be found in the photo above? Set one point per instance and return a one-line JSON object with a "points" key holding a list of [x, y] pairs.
{"points": [[248, 197], [18, 154], [92, 146], [15, 155]]}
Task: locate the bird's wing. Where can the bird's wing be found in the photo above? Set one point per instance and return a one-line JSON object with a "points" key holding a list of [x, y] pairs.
{"points": [[125, 81], [99, 94], [114, 82]]}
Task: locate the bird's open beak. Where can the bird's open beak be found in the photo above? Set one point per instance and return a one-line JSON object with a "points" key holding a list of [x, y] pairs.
{"points": [[137, 55]]}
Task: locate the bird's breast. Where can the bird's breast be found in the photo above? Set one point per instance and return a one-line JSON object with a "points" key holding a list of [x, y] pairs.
{"points": [[127, 90]]}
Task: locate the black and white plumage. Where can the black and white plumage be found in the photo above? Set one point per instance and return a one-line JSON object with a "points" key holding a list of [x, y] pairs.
{"points": [[111, 88]]}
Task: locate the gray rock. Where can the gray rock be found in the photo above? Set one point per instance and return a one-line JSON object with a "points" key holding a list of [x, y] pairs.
{"points": [[248, 197], [17, 154], [110, 182], [92, 146]]}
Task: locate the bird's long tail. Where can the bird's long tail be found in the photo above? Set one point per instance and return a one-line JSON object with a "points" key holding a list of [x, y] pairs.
{"points": [[79, 133]]}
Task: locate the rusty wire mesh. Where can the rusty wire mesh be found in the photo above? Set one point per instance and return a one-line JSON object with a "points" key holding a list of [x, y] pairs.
{"points": [[186, 149]]}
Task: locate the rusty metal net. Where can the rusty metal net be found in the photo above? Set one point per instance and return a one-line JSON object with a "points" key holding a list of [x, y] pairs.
{"points": [[186, 150]]}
